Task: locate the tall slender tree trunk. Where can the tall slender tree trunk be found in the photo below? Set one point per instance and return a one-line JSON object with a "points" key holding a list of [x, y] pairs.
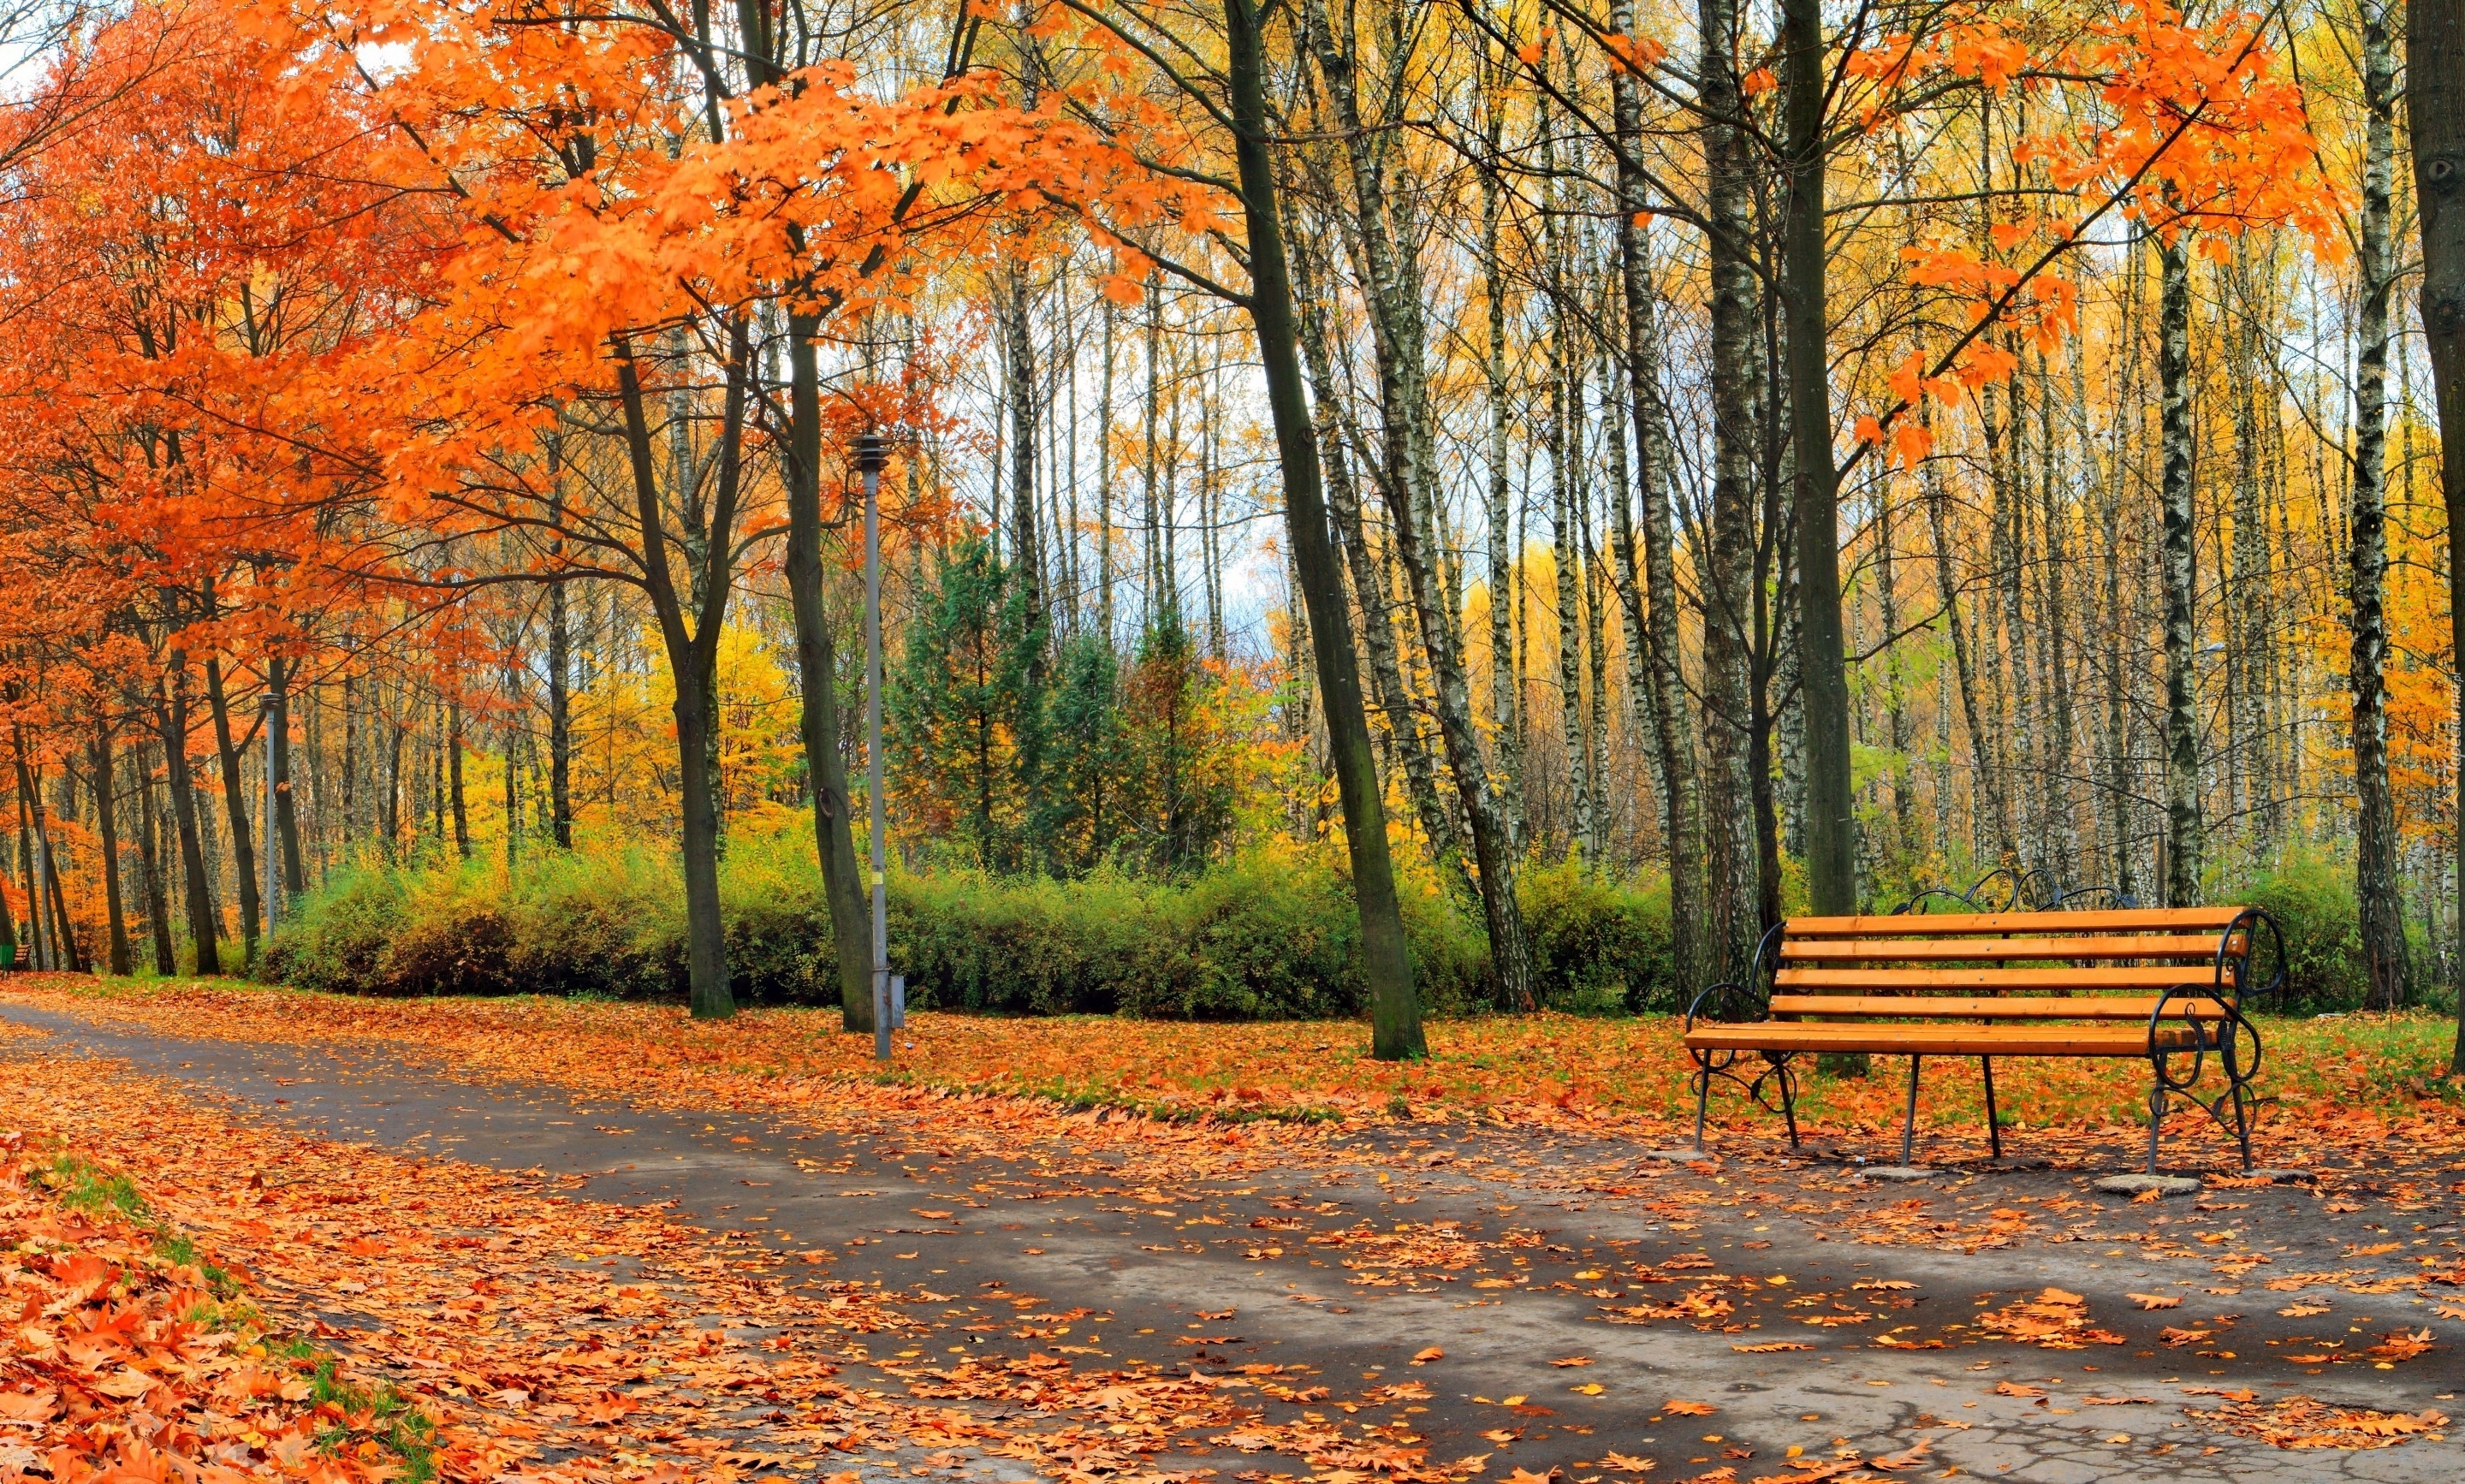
{"points": [[1411, 491], [2435, 60], [235, 809], [2375, 856], [1505, 704], [1369, 585], [1104, 482], [1395, 1012], [150, 856], [1731, 906], [172, 712], [690, 620], [560, 716], [843, 885], [1822, 665], [1887, 602], [286, 803], [48, 897], [106, 818], [28, 874], [2115, 740], [453, 779], [1565, 443], [1986, 805], [2183, 833], [1659, 626]]}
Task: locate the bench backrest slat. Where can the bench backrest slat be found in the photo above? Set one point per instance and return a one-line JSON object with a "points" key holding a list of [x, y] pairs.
{"points": [[1820, 950], [2149, 976], [2050, 925]]}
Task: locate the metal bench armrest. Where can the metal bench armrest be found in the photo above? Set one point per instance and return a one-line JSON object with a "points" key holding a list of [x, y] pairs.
{"points": [[1730, 1002], [2234, 988]]}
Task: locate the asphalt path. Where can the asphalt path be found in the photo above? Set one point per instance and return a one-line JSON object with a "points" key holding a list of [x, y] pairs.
{"points": [[1219, 1273]]}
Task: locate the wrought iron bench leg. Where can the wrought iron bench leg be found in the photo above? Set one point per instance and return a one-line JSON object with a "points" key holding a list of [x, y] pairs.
{"points": [[1787, 1095], [2156, 1122], [2242, 1123], [1702, 1099], [1993, 1128], [1909, 1129]]}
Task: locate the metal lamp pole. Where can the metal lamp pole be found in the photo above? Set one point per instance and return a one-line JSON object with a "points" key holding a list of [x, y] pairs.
{"points": [[869, 459]]}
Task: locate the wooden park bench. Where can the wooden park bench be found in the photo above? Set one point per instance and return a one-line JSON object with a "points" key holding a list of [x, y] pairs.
{"points": [[2164, 984]]}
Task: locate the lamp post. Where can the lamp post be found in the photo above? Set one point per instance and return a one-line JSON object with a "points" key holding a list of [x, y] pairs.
{"points": [[869, 459]]}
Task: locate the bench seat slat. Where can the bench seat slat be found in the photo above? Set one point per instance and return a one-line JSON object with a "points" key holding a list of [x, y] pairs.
{"points": [[2118, 1007], [1951, 925], [2146, 976], [1919, 950], [2035, 1040]]}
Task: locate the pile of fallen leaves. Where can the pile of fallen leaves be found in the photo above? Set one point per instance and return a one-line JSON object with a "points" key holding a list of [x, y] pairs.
{"points": [[573, 1340], [136, 1358], [2300, 1422], [2055, 1319]]}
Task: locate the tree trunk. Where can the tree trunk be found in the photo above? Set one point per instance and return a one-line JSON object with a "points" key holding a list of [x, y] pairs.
{"points": [[454, 778], [286, 804], [1395, 1012], [149, 848], [2434, 57], [107, 828], [48, 903], [26, 873], [171, 710], [1565, 444], [1672, 727], [1369, 583], [1731, 908], [2375, 856], [1411, 490], [235, 809], [1104, 482], [693, 652], [2182, 715], [1505, 704], [1026, 542], [560, 716], [1822, 666], [818, 659]]}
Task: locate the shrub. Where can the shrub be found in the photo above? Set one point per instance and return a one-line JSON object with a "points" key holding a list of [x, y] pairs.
{"points": [[337, 940], [1599, 945], [1270, 934], [609, 923], [2312, 899]]}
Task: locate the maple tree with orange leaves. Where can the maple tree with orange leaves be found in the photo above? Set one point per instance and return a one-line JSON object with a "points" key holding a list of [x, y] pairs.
{"points": [[1410, 538]]}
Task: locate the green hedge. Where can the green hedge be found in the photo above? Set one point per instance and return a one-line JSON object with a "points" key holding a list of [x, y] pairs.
{"points": [[1269, 935]]}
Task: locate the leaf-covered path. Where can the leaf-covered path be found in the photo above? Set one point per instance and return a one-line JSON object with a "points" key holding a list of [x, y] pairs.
{"points": [[975, 1288]]}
